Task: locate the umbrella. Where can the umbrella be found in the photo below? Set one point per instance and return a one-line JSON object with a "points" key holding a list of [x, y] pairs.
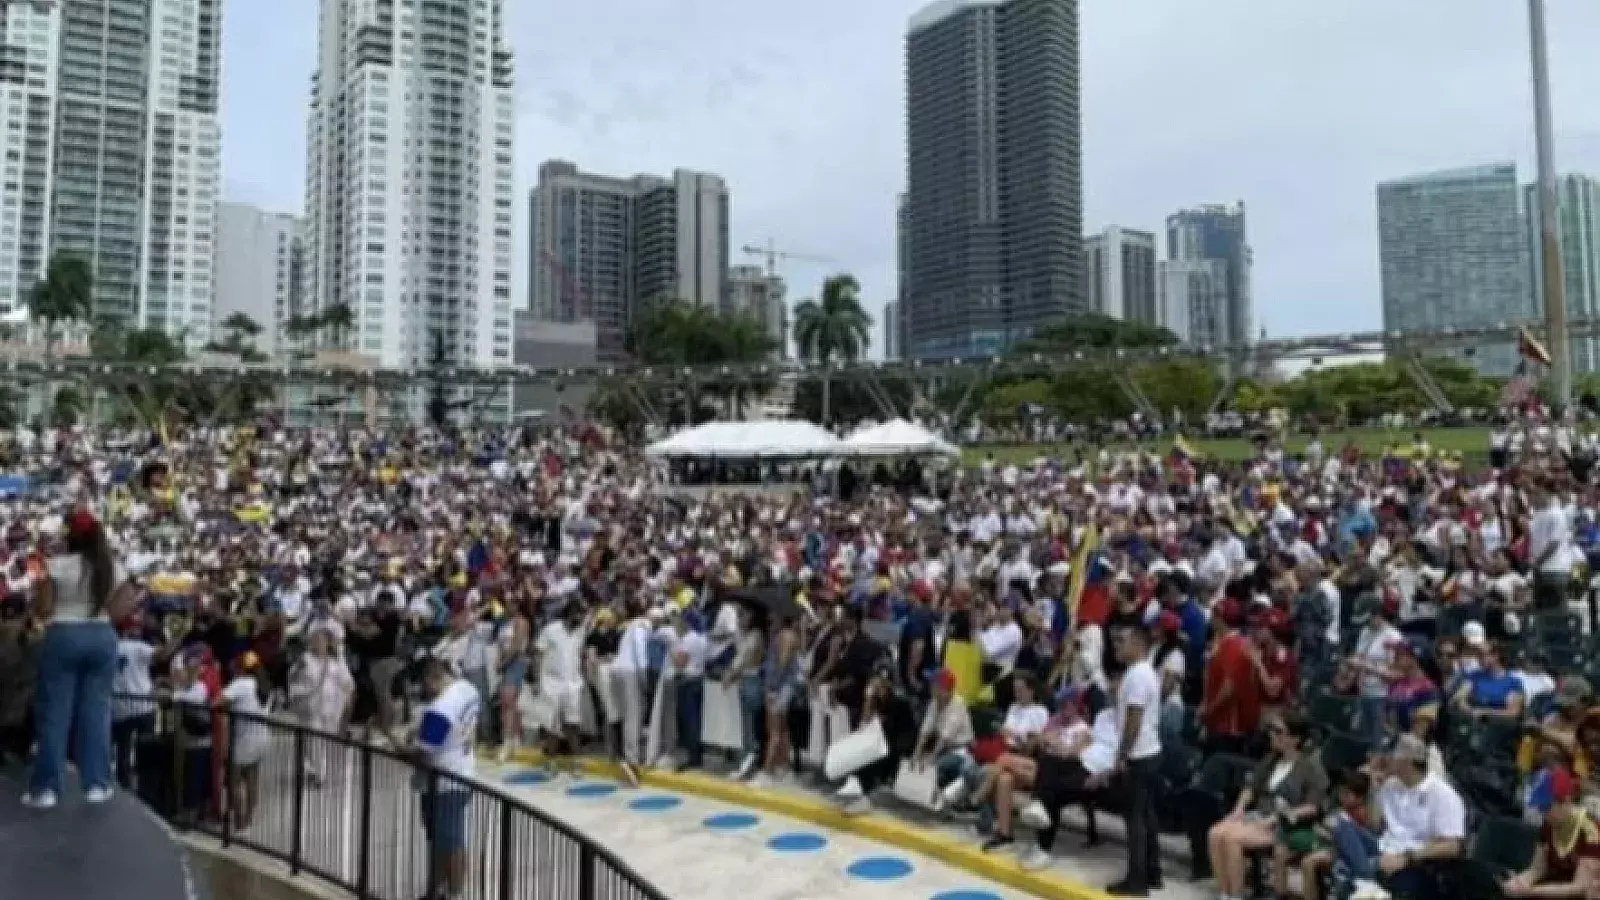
{"points": [[776, 601]]}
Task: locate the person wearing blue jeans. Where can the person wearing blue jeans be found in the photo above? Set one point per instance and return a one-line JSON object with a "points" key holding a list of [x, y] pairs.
{"points": [[691, 710], [77, 664], [752, 709]]}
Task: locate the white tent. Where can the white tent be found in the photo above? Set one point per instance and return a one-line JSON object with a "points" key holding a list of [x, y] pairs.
{"points": [[897, 437], [748, 440]]}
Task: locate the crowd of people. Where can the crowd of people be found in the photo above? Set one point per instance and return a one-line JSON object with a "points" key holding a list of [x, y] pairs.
{"points": [[1339, 663]]}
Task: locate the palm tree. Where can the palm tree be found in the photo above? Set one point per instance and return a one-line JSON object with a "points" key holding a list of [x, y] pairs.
{"points": [[65, 295], [339, 320], [835, 327]]}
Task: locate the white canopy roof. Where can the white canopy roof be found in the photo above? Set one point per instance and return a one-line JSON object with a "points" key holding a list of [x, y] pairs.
{"points": [[897, 437], [748, 440]]}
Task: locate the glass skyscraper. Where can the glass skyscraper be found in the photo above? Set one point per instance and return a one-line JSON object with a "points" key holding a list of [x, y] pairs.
{"points": [[993, 213], [1578, 218], [1453, 250]]}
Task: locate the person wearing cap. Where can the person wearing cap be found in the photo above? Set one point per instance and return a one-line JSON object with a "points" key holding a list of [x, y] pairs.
{"points": [[1491, 691], [1231, 712], [84, 590], [1420, 819], [1072, 755], [1566, 863], [1170, 658], [247, 699], [945, 735]]}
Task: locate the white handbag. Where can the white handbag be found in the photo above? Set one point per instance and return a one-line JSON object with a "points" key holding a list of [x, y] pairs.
{"points": [[857, 750]]}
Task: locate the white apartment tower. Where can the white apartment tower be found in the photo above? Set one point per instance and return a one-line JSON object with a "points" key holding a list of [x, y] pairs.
{"points": [[260, 269], [409, 179], [112, 147]]}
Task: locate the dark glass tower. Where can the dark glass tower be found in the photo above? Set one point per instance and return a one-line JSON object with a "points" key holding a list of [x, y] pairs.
{"points": [[994, 199]]}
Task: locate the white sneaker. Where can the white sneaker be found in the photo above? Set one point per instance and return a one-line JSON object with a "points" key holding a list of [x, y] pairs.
{"points": [[746, 767], [97, 795], [1034, 859], [41, 800], [953, 792], [860, 806], [850, 791], [1034, 815]]}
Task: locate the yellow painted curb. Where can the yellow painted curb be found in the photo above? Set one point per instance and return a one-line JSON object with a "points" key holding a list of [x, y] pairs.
{"points": [[1001, 869]]}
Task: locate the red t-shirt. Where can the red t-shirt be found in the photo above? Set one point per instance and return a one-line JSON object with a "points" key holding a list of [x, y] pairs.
{"points": [[1231, 664], [1281, 667]]}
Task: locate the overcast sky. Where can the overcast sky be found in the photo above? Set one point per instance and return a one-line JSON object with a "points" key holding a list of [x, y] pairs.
{"points": [[1297, 107]]}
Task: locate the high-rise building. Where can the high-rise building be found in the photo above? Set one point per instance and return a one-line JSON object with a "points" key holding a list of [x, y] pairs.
{"points": [[1452, 249], [1192, 302], [1578, 220], [891, 330], [112, 146], [409, 186], [1217, 232], [760, 295], [994, 196], [601, 245], [260, 269], [1120, 269], [902, 285]]}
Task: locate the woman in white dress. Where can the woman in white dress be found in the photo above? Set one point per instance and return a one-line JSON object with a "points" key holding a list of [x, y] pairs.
{"points": [[84, 589], [247, 697], [321, 689]]}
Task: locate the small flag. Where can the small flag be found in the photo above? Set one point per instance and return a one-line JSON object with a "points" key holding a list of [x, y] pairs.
{"points": [[1182, 448], [1530, 348]]}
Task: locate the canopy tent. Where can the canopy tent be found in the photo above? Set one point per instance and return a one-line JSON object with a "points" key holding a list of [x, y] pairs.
{"points": [[897, 437], [748, 440]]}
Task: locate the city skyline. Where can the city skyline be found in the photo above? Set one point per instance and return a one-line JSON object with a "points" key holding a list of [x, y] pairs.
{"points": [[815, 153]]}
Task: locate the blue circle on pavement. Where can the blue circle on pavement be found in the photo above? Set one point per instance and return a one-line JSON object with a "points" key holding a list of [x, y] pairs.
{"points": [[966, 895], [797, 842], [658, 803], [528, 778], [730, 822], [592, 789], [879, 868]]}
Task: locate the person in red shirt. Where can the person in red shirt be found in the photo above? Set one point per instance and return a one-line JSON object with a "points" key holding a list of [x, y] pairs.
{"points": [[1276, 667], [1232, 709]]}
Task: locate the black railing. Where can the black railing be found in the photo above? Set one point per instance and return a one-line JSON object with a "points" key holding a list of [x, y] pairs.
{"points": [[372, 821]]}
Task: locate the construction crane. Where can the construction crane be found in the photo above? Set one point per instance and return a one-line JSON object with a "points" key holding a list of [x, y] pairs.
{"points": [[773, 256]]}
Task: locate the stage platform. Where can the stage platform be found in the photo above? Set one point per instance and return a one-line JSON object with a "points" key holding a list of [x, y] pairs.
{"points": [[76, 851]]}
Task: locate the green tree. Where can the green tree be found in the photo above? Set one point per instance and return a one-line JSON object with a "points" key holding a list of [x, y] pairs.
{"points": [[834, 327], [1093, 331], [337, 320], [65, 295], [672, 333]]}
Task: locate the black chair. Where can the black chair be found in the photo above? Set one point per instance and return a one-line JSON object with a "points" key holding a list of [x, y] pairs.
{"points": [[1556, 625], [1505, 845], [1211, 797], [1332, 712], [1343, 751]]}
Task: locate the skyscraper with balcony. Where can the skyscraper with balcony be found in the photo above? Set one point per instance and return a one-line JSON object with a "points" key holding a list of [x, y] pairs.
{"points": [[600, 246], [1453, 253], [1214, 233], [994, 197], [1578, 220], [112, 147], [409, 185]]}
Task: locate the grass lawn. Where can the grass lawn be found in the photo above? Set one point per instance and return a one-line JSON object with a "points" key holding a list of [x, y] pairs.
{"points": [[1471, 443]]}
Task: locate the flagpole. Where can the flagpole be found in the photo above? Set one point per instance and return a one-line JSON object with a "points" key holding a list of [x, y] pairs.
{"points": [[1555, 301]]}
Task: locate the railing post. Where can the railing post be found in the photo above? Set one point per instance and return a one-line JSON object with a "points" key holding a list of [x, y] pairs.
{"points": [[364, 850], [506, 868], [585, 871], [298, 801], [430, 813], [227, 800]]}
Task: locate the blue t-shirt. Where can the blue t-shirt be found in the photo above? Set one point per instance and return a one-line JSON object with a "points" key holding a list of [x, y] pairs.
{"points": [[1493, 691]]}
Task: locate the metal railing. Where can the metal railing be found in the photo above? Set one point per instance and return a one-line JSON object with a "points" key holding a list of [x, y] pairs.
{"points": [[372, 821]]}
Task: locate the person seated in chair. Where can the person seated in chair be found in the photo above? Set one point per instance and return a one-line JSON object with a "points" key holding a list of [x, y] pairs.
{"points": [[1420, 819], [1076, 761], [1567, 860], [1283, 798], [1015, 769]]}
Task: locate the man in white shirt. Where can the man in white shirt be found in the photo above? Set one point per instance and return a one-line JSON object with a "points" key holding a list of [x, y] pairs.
{"points": [[1549, 540], [1422, 819], [629, 672], [686, 663], [443, 744], [559, 650], [1139, 760]]}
